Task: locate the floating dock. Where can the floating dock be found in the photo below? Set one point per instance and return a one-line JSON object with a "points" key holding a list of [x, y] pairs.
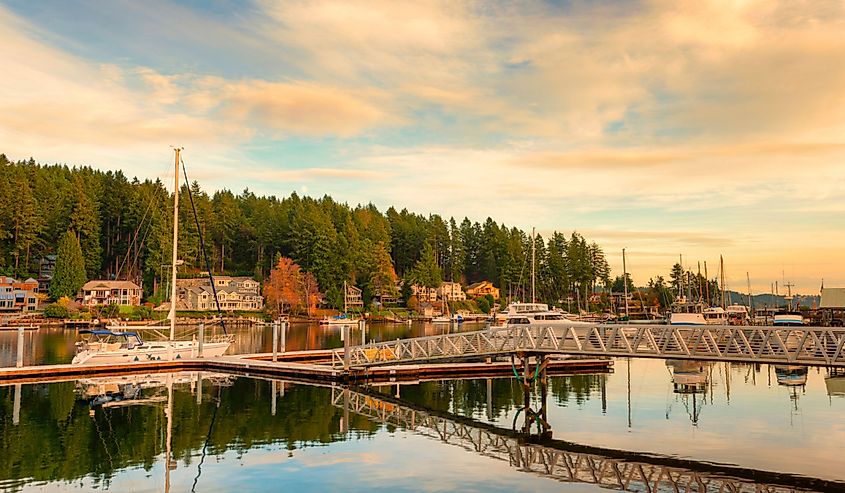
{"points": [[299, 365]]}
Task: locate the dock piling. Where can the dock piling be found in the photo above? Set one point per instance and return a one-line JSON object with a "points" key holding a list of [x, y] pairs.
{"points": [[345, 332], [19, 355], [201, 339], [362, 324], [283, 327], [275, 340], [16, 407]]}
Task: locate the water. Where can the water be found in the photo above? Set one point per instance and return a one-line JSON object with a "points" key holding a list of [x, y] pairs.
{"points": [[48, 346], [233, 435]]}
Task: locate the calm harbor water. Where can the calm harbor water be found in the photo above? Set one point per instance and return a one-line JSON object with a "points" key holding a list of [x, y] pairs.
{"points": [[47, 346], [243, 434]]}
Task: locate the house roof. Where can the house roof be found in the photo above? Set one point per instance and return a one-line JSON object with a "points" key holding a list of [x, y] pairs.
{"points": [[105, 284], [833, 298], [479, 284]]}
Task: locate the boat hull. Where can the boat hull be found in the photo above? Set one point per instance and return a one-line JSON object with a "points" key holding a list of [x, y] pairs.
{"points": [[160, 351]]}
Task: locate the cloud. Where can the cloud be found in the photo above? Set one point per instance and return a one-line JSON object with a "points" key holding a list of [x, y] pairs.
{"points": [[297, 108]]}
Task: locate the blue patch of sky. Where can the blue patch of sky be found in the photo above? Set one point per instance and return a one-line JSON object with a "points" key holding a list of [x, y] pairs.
{"points": [[163, 36]]}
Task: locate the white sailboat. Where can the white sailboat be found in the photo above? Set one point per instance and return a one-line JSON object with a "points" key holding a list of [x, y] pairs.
{"points": [[343, 318], [108, 346]]}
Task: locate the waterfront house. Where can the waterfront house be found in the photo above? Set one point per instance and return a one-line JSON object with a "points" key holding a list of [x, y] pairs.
{"points": [[103, 292], [424, 294], [482, 288], [18, 296], [233, 294], [353, 297], [451, 291]]}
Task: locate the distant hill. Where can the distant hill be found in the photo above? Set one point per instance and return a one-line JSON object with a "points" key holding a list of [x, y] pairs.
{"points": [[767, 299]]}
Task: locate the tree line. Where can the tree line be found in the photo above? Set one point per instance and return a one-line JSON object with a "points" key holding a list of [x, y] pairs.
{"points": [[124, 228]]}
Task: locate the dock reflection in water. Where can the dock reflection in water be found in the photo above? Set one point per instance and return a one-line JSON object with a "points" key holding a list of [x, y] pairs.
{"points": [[454, 435]]}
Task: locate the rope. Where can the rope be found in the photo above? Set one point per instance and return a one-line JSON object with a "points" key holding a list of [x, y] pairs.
{"points": [[202, 247], [207, 439]]}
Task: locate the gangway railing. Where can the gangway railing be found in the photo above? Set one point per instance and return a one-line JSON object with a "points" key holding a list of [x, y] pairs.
{"points": [[566, 462], [813, 346]]}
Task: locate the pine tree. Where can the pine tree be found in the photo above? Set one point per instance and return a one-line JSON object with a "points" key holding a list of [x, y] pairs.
{"points": [[69, 275]]}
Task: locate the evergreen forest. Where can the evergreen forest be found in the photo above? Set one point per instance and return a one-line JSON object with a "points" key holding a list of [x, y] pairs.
{"points": [[124, 229]]}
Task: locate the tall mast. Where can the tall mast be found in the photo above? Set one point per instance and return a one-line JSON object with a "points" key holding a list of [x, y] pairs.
{"points": [[533, 263], [707, 284], [625, 282], [750, 301], [722, 271], [172, 314], [681, 280]]}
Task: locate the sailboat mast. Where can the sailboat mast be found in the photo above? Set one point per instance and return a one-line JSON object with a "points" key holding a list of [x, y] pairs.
{"points": [[172, 314], [750, 301], [625, 282], [533, 263], [722, 273]]}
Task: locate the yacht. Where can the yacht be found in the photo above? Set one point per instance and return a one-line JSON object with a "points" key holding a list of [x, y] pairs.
{"points": [[687, 313], [534, 314], [108, 346], [738, 314], [715, 315]]}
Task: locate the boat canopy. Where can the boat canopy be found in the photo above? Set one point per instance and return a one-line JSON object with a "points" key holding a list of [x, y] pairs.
{"points": [[103, 332]]}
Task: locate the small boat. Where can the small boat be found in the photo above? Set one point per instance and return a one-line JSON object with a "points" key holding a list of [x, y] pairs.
{"points": [[338, 320], [788, 319], [791, 375], [343, 318], [106, 346]]}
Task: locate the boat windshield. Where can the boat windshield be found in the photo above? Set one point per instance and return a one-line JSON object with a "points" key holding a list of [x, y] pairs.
{"points": [[105, 336]]}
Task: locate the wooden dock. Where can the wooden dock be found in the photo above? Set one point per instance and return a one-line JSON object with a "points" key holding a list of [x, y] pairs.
{"points": [[306, 366]]}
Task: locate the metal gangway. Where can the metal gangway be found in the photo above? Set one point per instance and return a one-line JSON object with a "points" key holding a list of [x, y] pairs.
{"points": [[611, 469], [812, 346]]}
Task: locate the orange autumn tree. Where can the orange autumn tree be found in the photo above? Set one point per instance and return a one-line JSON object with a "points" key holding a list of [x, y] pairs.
{"points": [[289, 289]]}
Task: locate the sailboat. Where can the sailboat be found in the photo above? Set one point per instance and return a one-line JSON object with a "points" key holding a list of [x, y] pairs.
{"points": [[111, 346], [343, 318]]}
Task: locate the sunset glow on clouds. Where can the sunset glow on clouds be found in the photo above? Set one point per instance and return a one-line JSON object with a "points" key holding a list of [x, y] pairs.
{"points": [[697, 128]]}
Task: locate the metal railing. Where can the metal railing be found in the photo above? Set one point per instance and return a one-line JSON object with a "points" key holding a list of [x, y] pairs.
{"points": [[625, 471], [822, 346]]}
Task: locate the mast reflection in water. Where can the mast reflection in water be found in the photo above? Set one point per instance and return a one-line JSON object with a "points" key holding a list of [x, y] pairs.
{"points": [[225, 434]]}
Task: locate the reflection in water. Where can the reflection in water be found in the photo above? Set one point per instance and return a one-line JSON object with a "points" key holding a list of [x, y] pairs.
{"points": [[221, 427], [689, 379], [835, 382], [563, 461], [57, 345]]}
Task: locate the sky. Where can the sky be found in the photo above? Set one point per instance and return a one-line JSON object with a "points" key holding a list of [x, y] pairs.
{"points": [[696, 128]]}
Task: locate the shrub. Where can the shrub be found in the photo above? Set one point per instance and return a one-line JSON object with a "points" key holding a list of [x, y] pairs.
{"points": [[55, 310]]}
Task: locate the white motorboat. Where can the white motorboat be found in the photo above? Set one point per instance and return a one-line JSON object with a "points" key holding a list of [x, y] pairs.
{"points": [[788, 318], [738, 314], [538, 314], [687, 313], [715, 315]]}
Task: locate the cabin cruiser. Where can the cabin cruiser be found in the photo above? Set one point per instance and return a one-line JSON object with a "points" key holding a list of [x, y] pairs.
{"points": [[715, 315], [106, 346], [687, 313], [538, 314], [738, 314]]}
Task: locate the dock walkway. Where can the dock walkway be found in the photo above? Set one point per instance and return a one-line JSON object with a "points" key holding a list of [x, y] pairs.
{"points": [[811, 346]]}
